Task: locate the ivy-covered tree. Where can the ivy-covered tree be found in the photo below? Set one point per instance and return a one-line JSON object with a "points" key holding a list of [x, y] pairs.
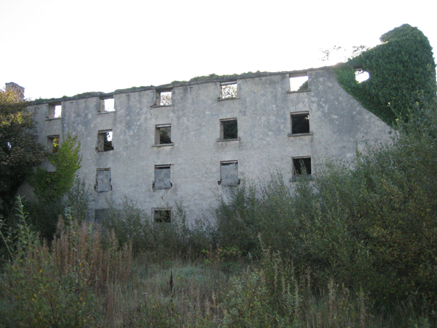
{"points": [[19, 147], [402, 74]]}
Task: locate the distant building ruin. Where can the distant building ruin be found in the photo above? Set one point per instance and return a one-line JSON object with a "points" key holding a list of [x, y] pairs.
{"points": [[190, 142]]}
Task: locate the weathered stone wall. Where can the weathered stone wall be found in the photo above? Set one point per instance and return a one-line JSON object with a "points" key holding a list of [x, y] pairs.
{"points": [[338, 125]]}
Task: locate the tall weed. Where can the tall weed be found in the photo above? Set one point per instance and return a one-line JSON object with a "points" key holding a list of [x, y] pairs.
{"points": [[59, 287]]}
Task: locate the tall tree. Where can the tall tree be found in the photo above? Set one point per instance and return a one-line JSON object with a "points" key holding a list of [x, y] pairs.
{"points": [[19, 147]]}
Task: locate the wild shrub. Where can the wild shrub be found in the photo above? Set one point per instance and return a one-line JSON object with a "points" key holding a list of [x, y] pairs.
{"points": [[50, 186], [78, 199], [59, 287], [247, 303], [270, 208], [370, 225], [44, 216], [237, 221], [174, 239], [53, 188], [19, 150], [387, 227], [272, 295]]}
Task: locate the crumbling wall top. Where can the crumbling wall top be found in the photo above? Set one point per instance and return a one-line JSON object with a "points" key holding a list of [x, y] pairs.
{"points": [[196, 80]]}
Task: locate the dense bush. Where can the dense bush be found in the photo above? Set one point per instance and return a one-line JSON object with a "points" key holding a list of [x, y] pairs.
{"points": [[50, 186], [44, 216], [175, 239], [59, 287], [372, 226], [19, 147]]}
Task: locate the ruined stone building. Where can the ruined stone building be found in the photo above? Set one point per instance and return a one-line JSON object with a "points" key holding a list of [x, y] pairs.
{"points": [[191, 141]]}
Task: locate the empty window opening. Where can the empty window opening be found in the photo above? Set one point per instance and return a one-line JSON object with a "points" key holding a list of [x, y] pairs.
{"points": [[58, 111], [105, 141], [299, 83], [103, 180], [163, 134], [300, 123], [228, 90], [162, 177], [229, 174], [53, 144], [162, 215], [164, 98], [55, 110], [361, 76], [228, 129], [301, 166], [107, 105], [100, 215]]}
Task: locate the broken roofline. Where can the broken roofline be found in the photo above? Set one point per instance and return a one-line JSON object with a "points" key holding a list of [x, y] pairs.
{"points": [[196, 80]]}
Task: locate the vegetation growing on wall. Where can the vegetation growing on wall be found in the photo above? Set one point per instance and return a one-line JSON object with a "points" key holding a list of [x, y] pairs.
{"points": [[402, 72], [214, 76], [50, 186]]}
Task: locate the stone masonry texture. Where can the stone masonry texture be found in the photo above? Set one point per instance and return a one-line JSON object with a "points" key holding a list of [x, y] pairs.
{"points": [[339, 126]]}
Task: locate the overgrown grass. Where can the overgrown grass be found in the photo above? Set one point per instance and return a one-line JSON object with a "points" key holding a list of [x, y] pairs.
{"points": [[88, 280]]}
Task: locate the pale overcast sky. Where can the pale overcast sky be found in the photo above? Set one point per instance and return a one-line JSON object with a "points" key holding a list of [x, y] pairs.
{"points": [[62, 47]]}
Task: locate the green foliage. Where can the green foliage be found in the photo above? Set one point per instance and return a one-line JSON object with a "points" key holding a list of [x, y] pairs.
{"points": [[23, 237], [158, 314], [89, 94], [213, 76], [51, 186], [222, 257], [268, 296], [19, 149], [402, 72], [59, 287], [371, 226], [44, 216], [78, 200], [33, 293], [255, 208], [271, 295], [177, 238], [85, 280], [247, 303]]}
